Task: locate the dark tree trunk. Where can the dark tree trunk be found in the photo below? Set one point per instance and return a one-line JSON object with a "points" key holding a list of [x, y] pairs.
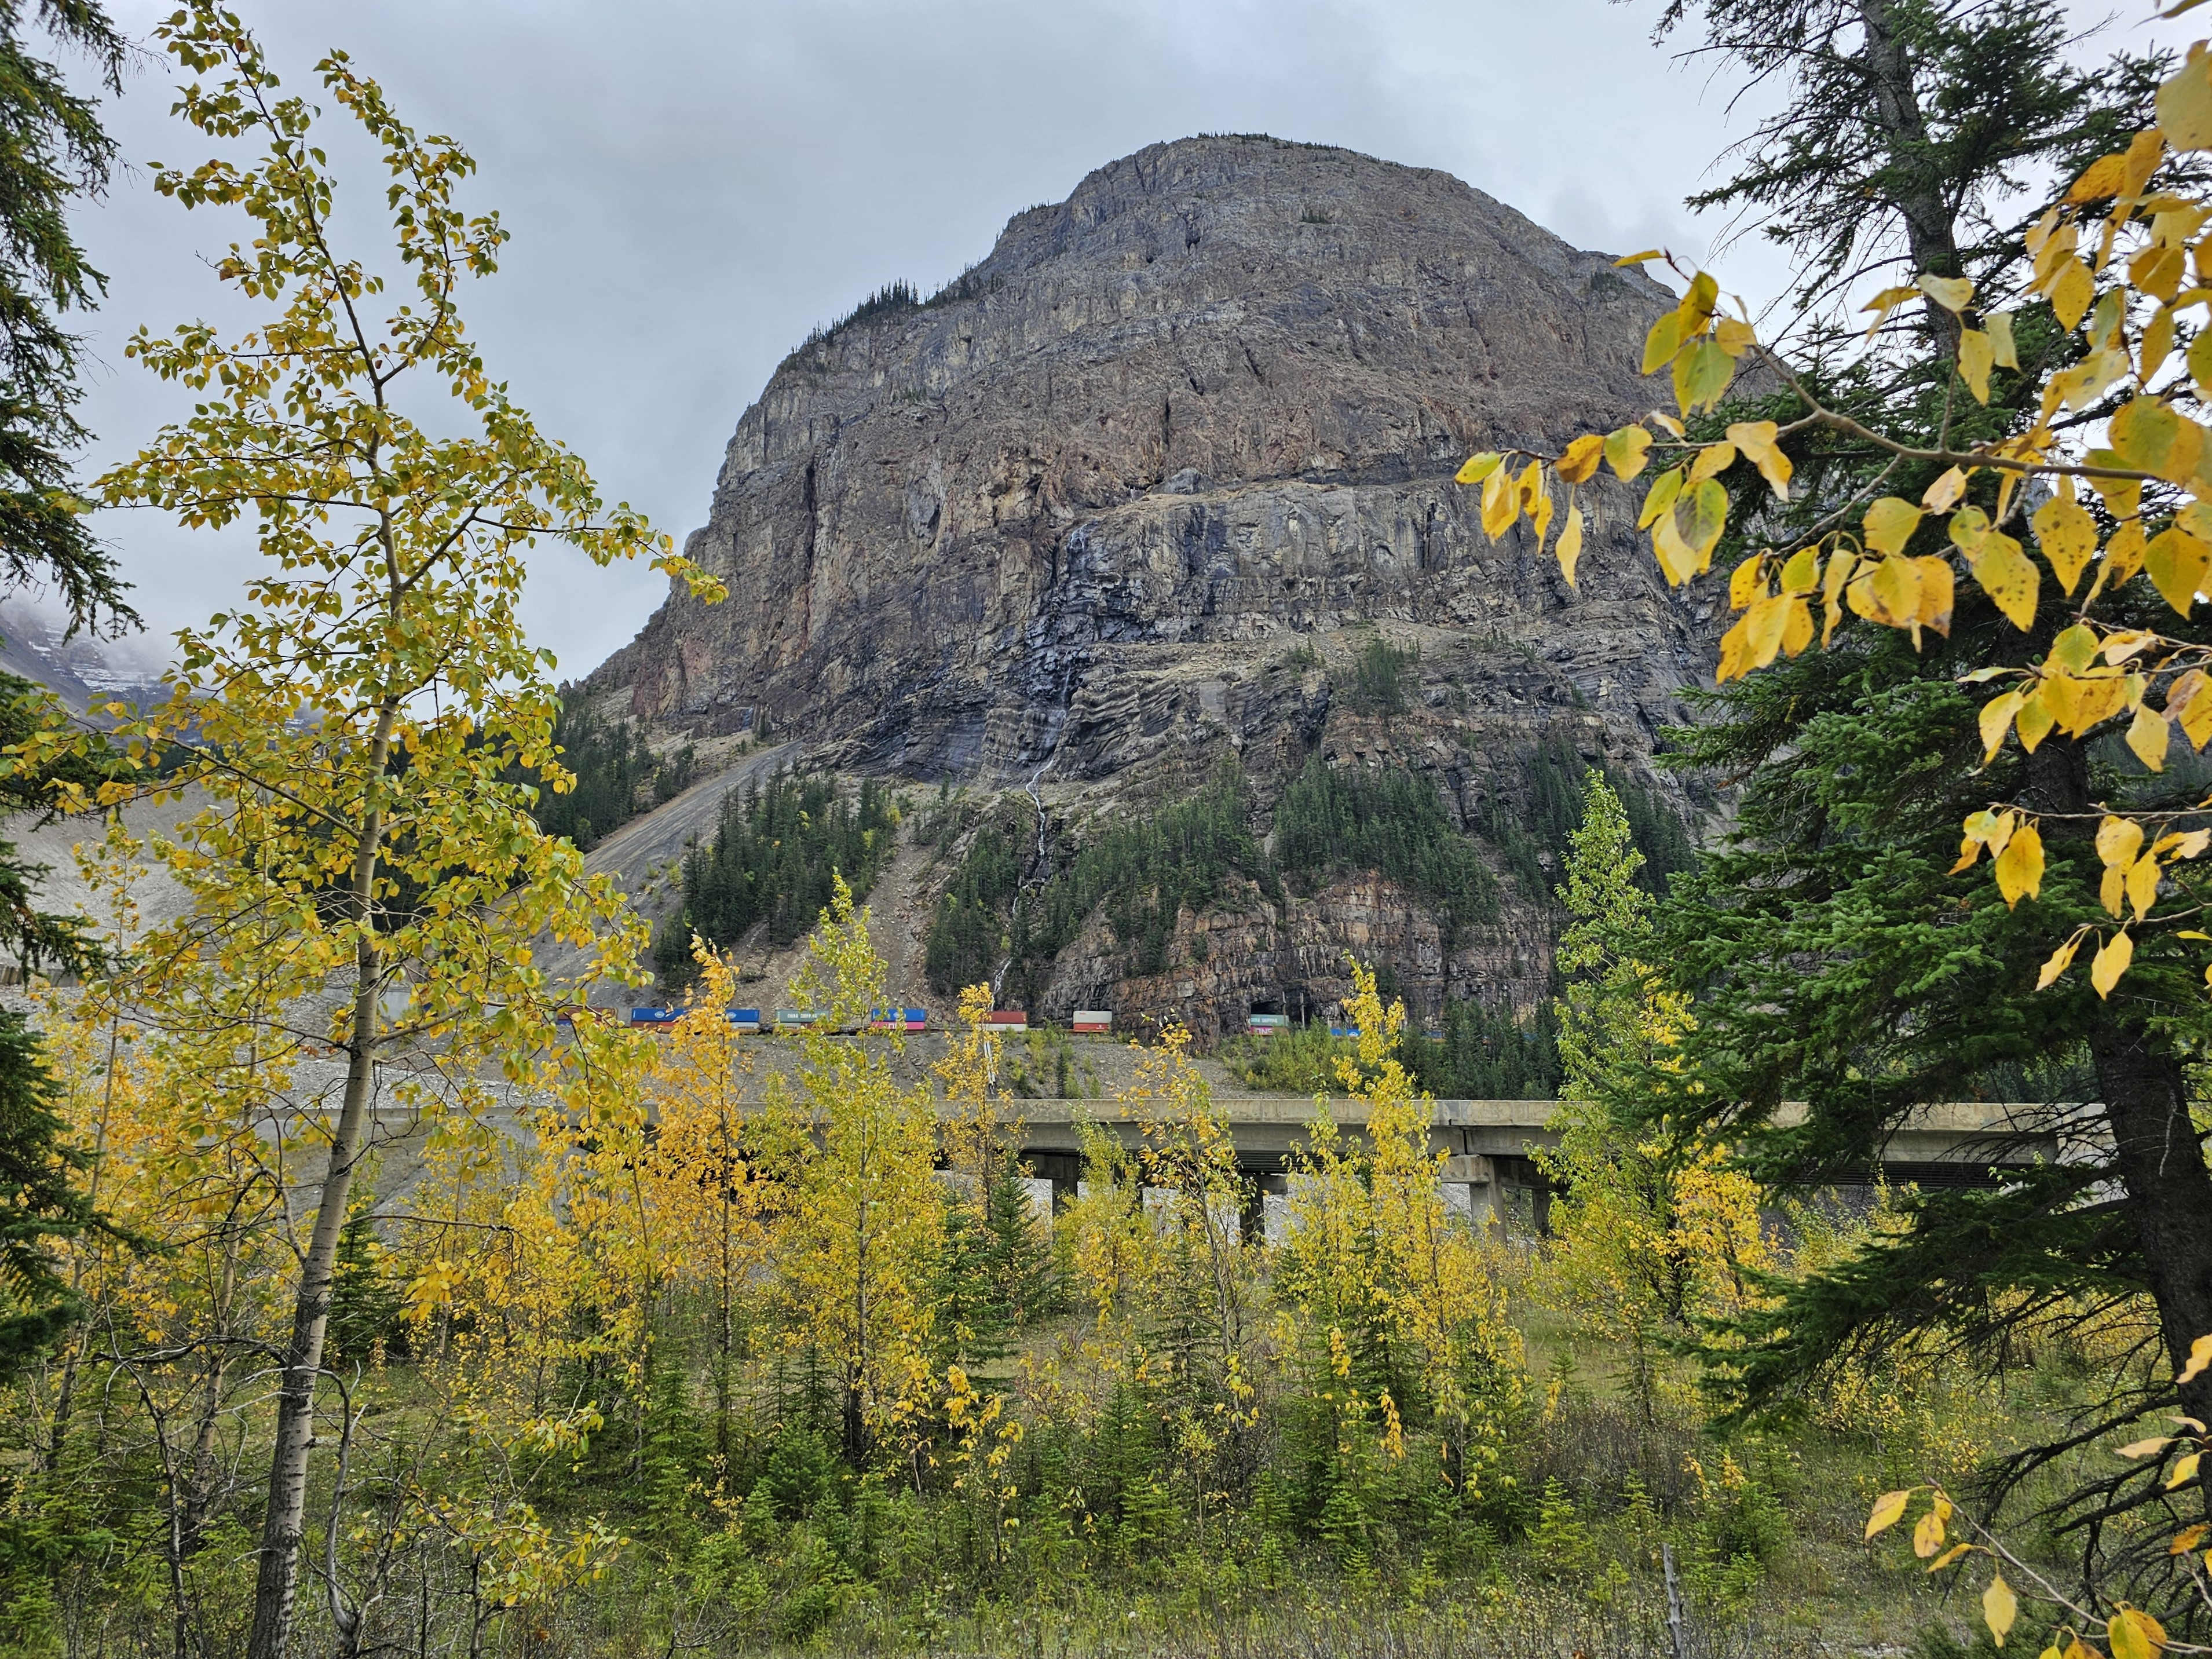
{"points": [[2160, 1160], [1929, 232]]}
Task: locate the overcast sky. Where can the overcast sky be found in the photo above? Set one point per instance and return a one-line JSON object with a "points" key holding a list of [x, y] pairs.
{"points": [[691, 185]]}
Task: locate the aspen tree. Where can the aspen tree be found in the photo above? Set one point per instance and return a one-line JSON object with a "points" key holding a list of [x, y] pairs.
{"points": [[346, 733], [865, 1216], [701, 1172], [1395, 1289]]}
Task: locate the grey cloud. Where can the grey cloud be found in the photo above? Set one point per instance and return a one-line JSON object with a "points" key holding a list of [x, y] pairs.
{"points": [[691, 186]]}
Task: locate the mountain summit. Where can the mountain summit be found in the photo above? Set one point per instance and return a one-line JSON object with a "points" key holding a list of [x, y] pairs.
{"points": [[1156, 482]]}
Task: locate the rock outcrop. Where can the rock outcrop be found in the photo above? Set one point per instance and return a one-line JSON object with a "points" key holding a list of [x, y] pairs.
{"points": [[1133, 491]]}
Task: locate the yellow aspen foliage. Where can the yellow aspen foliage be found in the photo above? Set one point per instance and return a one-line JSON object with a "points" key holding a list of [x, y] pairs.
{"points": [[1379, 1270], [1115, 1250], [701, 1173], [980, 1130], [865, 1214]]}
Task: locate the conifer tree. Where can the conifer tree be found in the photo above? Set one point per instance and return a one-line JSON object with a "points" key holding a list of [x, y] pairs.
{"points": [[1653, 1232], [54, 152], [2047, 380]]}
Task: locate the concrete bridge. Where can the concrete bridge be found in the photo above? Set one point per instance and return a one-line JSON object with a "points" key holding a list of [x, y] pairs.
{"points": [[1490, 1168]]}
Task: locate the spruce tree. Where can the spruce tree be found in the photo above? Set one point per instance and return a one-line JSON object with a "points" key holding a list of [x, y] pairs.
{"points": [[1835, 960], [52, 152]]}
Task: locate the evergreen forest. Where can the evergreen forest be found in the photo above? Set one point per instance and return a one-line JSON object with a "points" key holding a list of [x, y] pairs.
{"points": [[775, 856]]}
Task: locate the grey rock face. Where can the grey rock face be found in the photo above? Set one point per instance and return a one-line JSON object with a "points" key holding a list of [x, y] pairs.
{"points": [[1215, 397], [1081, 513]]}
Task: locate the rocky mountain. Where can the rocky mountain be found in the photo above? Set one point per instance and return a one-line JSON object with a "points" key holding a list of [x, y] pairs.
{"points": [[1167, 479]]}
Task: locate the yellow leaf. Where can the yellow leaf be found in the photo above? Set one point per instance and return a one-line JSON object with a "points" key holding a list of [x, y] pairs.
{"points": [[1885, 302], [1626, 450], [2199, 359], [1765, 624], [2020, 866], [2133, 1633], [1993, 829], [1479, 467], [1530, 484], [2008, 576], [1841, 563], [1756, 440], [1703, 375], [1735, 337], [2184, 1470], [1661, 345], [1570, 544], [1675, 428], [1999, 325], [1948, 1557], [1890, 523], [2111, 961], [2000, 1607], [1639, 258], [1747, 581], [1501, 504], [1893, 590], [1735, 652], [1801, 571], [1944, 494], [2177, 562], [2157, 344], [2148, 736], [2157, 271], [1797, 630], [2071, 292], [1578, 463], [1935, 594], [2148, 435], [2068, 536], [2145, 1447], [2142, 885], [2103, 177], [2061, 960], [1676, 557], [1698, 303], [1659, 497], [1997, 719], [2123, 554], [1928, 1534], [2146, 149], [1976, 357], [1712, 460], [2074, 649], [2200, 1357], [1952, 292], [2119, 841], [1706, 519], [1888, 1509], [1539, 515], [2184, 115], [2189, 700], [2034, 723], [2188, 1539]]}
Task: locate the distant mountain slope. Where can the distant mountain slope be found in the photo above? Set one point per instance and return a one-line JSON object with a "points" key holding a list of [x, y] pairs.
{"points": [[32, 644]]}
